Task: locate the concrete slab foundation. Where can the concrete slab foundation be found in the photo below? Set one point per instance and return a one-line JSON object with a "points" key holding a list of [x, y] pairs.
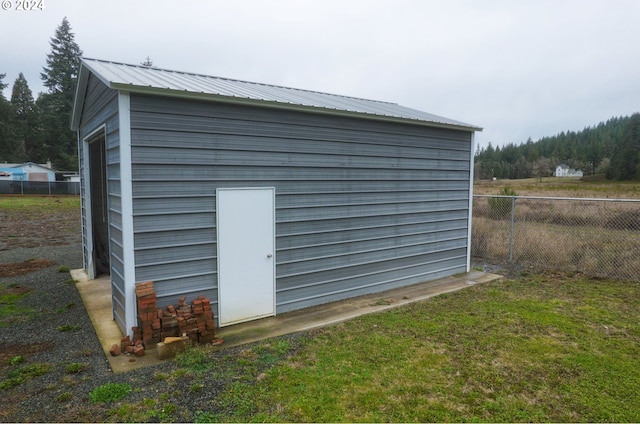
{"points": [[96, 295]]}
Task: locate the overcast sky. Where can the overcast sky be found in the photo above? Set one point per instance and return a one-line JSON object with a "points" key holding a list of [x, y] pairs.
{"points": [[518, 69]]}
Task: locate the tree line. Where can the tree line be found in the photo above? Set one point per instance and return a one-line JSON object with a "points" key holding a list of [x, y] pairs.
{"points": [[611, 148], [37, 130]]}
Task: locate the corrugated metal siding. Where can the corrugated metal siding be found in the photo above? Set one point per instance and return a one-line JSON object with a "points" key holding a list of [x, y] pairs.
{"points": [[101, 107], [361, 206]]}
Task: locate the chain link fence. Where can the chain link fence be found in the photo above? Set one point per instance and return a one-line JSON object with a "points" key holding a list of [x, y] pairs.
{"points": [[597, 237], [40, 187]]}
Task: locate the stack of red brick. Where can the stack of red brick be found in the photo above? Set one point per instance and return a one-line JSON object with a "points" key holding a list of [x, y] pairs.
{"points": [[196, 321], [149, 324], [155, 324]]}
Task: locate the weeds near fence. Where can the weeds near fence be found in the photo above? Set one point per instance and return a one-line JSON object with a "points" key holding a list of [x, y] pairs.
{"points": [[501, 206], [597, 237]]}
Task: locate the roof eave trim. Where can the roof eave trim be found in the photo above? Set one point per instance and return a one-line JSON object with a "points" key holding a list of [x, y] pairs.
{"points": [[78, 99], [283, 106], [81, 91]]}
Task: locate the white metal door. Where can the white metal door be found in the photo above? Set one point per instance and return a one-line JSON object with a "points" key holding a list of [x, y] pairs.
{"points": [[246, 254]]}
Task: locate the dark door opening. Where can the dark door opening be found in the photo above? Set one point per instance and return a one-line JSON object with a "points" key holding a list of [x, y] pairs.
{"points": [[99, 209]]}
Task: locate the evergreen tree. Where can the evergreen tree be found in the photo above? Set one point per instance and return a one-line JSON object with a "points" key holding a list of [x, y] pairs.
{"points": [[7, 139], [625, 162], [26, 123], [604, 166], [148, 63], [586, 150], [59, 76], [63, 63]]}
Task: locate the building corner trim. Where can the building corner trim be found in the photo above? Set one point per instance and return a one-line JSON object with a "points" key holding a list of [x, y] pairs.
{"points": [[124, 106]]}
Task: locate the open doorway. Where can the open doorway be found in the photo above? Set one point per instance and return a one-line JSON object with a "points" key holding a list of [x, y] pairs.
{"points": [[99, 208]]}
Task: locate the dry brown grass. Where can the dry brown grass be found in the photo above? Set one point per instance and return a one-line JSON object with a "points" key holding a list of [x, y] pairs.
{"points": [[562, 187], [596, 238]]}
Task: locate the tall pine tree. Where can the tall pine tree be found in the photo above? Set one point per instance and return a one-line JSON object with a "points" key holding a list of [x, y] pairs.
{"points": [[625, 161], [26, 123], [591, 150], [59, 77], [7, 138]]}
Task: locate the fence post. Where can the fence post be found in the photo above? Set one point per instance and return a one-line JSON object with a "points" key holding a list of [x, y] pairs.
{"points": [[513, 215]]}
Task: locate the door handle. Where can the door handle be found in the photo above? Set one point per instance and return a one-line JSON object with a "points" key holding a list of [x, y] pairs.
{"points": [[269, 255]]}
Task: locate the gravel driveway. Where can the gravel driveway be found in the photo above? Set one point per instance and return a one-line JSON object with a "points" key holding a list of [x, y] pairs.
{"points": [[49, 329]]}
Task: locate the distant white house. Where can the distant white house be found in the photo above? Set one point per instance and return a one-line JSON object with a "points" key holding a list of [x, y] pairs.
{"points": [[563, 170]]}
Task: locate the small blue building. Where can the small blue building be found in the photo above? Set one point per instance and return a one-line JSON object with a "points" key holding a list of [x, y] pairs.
{"points": [[28, 171], [12, 174]]}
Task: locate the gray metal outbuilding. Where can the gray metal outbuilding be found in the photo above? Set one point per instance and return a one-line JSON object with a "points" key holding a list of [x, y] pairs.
{"points": [[265, 199]]}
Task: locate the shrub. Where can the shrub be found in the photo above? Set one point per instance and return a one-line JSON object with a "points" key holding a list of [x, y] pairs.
{"points": [[500, 207]]}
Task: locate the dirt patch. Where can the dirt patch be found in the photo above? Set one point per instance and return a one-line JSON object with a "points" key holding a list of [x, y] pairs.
{"points": [[17, 349], [14, 291], [52, 227], [23, 268]]}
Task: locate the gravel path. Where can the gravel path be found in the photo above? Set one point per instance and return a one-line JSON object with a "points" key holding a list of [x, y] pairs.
{"points": [[37, 337], [61, 395]]}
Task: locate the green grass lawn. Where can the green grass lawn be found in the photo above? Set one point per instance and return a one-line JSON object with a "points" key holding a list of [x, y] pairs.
{"points": [[542, 348], [36, 206]]}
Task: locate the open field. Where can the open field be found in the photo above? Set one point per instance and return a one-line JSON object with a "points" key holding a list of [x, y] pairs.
{"points": [[562, 187], [598, 238], [553, 346]]}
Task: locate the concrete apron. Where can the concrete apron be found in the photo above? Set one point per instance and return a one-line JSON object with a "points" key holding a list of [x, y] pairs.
{"points": [[96, 295]]}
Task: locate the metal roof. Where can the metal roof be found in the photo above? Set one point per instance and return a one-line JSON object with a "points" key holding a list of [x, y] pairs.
{"points": [[141, 79]]}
